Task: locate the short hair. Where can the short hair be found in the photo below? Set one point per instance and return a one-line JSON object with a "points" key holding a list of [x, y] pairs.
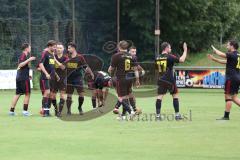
{"points": [[72, 45], [234, 43], [123, 45], [164, 45], [51, 43], [132, 47], [59, 43], [24, 46]]}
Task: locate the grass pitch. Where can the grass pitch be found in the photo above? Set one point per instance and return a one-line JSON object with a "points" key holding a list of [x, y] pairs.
{"points": [[106, 138]]}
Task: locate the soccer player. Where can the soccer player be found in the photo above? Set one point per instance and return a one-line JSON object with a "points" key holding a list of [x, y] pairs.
{"points": [[100, 89], [232, 76], [46, 65], [132, 99], [122, 63], [75, 66], [23, 81], [166, 77], [57, 83]]}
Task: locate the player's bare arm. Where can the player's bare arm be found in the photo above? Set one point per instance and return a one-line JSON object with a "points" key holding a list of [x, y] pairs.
{"points": [[218, 60], [111, 70], [41, 66], [218, 52], [184, 55], [26, 62]]}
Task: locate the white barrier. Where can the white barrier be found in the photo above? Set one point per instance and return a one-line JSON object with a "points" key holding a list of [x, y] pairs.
{"points": [[8, 79]]}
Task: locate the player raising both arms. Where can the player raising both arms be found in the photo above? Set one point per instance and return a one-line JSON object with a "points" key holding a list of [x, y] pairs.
{"points": [[166, 77], [122, 63], [58, 84], [232, 80], [76, 66], [46, 66], [23, 80]]}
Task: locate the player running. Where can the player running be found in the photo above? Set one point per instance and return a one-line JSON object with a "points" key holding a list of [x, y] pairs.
{"points": [[76, 66], [57, 83], [23, 81], [122, 63], [46, 66], [232, 80], [166, 77]]}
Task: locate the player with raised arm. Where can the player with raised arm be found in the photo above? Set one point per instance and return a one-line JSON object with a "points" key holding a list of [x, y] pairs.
{"points": [[166, 77], [232, 80], [23, 80]]}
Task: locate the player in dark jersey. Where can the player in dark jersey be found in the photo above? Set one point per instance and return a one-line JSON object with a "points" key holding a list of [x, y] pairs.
{"points": [[76, 66], [166, 77], [132, 99], [57, 83], [100, 89], [46, 65], [23, 80], [122, 63], [232, 76]]}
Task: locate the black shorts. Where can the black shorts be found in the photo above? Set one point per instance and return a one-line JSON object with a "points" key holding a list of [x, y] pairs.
{"points": [[23, 87], [123, 87], [56, 86], [165, 86], [231, 87], [78, 85], [44, 85]]}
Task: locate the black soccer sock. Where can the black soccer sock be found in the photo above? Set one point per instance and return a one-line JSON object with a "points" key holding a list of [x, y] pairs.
{"points": [[94, 103], [158, 106], [12, 109], [226, 114], [45, 105], [133, 103], [176, 105], [69, 103], [54, 102], [125, 104], [118, 104], [61, 104], [49, 102], [80, 102], [25, 107]]}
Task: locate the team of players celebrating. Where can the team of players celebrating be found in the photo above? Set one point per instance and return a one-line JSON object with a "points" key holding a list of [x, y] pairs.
{"points": [[64, 73]]}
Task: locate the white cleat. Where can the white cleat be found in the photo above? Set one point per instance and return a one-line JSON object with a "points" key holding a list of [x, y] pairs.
{"points": [[12, 113], [26, 113]]}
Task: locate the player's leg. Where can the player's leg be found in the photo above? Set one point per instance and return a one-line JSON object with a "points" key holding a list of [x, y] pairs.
{"points": [[80, 91], [26, 98], [45, 87], [105, 94], [118, 104], [174, 92], [54, 101], [228, 100], [94, 98], [162, 90], [13, 104], [100, 97], [61, 102], [69, 92]]}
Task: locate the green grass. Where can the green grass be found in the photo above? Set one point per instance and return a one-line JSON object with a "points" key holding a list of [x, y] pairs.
{"points": [[104, 138]]}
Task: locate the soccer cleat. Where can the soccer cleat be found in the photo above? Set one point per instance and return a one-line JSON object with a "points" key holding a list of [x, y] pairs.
{"points": [[116, 111], [158, 117], [26, 113], [12, 113], [178, 117], [223, 118], [69, 113], [46, 113]]}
